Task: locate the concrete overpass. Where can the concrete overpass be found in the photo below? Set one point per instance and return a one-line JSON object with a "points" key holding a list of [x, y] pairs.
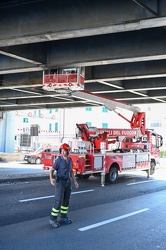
{"points": [[121, 44]]}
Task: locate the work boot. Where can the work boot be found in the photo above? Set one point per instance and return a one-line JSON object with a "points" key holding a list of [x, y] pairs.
{"points": [[66, 221], [54, 223]]}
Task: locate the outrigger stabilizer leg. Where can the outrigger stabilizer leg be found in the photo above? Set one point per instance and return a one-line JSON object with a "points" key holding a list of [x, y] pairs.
{"points": [[103, 179], [148, 173]]}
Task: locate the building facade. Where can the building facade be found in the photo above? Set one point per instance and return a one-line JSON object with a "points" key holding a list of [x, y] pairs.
{"points": [[29, 129]]}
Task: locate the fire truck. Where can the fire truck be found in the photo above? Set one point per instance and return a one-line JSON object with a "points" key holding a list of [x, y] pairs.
{"points": [[108, 152]]}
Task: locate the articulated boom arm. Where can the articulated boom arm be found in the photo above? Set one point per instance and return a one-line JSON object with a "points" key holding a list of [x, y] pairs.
{"points": [[138, 121], [83, 128], [138, 118], [109, 103]]}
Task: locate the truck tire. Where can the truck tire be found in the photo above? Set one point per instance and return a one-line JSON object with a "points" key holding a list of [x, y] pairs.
{"points": [[38, 161], [112, 176], [152, 167]]}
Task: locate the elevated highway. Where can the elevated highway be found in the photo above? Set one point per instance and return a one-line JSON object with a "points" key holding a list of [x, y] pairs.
{"points": [[121, 44]]}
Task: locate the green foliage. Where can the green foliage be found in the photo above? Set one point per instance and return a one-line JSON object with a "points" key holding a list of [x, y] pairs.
{"points": [[163, 153]]}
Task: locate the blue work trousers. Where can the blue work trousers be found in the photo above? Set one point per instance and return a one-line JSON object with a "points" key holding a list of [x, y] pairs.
{"points": [[62, 193]]}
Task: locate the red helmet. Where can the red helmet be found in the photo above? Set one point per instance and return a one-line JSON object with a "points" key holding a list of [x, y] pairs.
{"points": [[65, 146]]}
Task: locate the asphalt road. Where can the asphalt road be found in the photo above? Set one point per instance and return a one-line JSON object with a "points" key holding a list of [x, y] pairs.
{"points": [[127, 215]]}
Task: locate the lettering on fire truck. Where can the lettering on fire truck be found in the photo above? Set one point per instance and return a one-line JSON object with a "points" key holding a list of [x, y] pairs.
{"points": [[119, 132]]}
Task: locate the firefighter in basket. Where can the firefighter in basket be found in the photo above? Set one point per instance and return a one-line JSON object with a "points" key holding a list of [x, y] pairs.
{"points": [[64, 172]]}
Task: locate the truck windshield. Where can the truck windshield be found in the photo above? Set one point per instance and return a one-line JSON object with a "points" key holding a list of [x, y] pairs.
{"points": [[38, 150]]}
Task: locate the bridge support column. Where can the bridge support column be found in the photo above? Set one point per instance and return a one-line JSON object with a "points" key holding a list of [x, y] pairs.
{"points": [[7, 132]]}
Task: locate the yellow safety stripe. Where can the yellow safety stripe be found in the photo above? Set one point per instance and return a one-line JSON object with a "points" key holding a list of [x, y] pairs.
{"points": [[63, 212], [54, 214], [55, 210], [64, 208]]}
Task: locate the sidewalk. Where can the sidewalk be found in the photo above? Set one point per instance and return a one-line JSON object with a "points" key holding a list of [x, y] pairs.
{"points": [[20, 171]]}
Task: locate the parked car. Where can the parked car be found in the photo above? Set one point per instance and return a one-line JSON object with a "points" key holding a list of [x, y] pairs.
{"points": [[36, 156]]}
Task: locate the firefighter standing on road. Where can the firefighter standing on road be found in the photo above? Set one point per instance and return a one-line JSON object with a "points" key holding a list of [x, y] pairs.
{"points": [[64, 172]]}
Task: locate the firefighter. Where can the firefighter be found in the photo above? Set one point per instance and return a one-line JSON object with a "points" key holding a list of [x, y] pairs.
{"points": [[64, 172]]}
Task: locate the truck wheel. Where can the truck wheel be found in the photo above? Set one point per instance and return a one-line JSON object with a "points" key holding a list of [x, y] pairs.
{"points": [[112, 176], [152, 167], [38, 161]]}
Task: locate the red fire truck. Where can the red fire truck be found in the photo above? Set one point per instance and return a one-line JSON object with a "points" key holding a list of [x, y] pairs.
{"points": [[107, 152], [132, 149]]}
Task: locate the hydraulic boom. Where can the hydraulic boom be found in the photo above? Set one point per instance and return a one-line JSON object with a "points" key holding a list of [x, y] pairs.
{"points": [[138, 118]]}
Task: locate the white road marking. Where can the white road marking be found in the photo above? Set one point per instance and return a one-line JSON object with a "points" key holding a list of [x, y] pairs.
{"points": [[85, 191], [139, 182], [51, 196], [112, 220], [38, 198]]}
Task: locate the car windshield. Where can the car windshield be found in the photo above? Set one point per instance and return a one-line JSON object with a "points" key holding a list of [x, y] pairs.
{"points": [[38, 150], [55, 149]]}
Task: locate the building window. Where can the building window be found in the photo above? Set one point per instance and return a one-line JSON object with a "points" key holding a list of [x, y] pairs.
{"points": [[104, 125], [39, 112], [56, 110], [89, 124], [25, 120], [50, 127], [156, 124], [56, 127], [104, 109], [50, 111], [88, 109], [25, 130], [34, 112]]}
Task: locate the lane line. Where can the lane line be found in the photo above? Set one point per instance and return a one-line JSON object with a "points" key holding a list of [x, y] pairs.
{"points": [[112, 220], [35, 199], [51, 196], [85, 191], [139, 182]]}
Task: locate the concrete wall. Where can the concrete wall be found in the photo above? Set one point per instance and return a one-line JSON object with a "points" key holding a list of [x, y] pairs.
{"points": [[7, 157]]}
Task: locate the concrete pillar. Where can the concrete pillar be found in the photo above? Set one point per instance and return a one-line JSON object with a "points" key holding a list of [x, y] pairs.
{"points": [[2, 132], [7, 132]]}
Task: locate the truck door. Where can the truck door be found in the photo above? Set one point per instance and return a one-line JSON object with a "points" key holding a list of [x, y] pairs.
{"points": [[156, 144]]}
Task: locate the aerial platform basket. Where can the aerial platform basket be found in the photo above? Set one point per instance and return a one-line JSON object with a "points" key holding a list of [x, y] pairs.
{"points": [[67, 80]]}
